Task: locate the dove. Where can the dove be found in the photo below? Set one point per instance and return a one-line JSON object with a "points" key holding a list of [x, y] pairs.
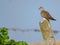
{"points": [[45, 14]]}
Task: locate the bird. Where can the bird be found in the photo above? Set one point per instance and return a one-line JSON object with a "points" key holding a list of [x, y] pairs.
{"points": [[45, 14]]}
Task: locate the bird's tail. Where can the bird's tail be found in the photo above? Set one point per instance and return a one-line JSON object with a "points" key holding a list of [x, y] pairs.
{"points": [[53, 19]]}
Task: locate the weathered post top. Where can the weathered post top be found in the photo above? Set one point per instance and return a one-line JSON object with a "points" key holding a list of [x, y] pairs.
{"points": [[47, 32]]}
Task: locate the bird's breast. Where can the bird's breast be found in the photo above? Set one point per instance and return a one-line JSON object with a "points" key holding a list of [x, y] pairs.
{"points": [[43, 14]]}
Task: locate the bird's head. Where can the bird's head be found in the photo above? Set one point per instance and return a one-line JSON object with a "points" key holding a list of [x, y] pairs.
{"points": [[41, 8]]}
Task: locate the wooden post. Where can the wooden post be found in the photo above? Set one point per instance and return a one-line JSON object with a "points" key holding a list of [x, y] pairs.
{"points": [[47, 32]]}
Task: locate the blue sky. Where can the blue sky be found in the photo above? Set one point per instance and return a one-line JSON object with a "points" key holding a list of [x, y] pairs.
{"points": [[24, 14]]}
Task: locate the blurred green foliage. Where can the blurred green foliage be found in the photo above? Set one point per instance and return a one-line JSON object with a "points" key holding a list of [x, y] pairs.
{"points": [[4, 38]]}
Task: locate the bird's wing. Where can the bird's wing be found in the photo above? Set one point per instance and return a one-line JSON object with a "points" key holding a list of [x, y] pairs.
{"points": [[47, 15]]}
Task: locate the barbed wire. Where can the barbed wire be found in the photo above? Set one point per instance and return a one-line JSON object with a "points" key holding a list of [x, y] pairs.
{"points": [[28, 30]]}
